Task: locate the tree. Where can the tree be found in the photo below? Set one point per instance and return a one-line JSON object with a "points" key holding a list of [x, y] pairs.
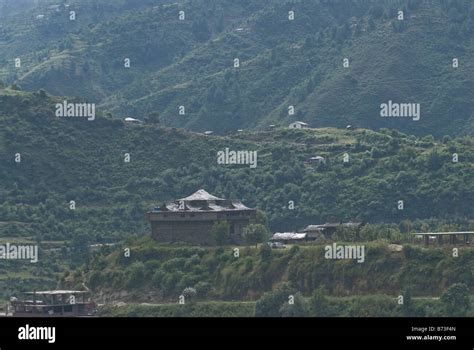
{"points": [[456, 300], [220, 233], [80, 247], [298, 308], [435, 160], [260, 218], [153, 117], [270, 304], [319, 304], [201, 30], [189, 294], [265, 252], [407, 306], [136, 274], [42, 94], [256, 233], [376, 12]]}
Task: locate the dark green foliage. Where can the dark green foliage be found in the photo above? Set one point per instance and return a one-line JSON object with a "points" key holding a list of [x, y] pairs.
{"points": [[319, 304], [136, 275], [190, 63], [256, 233], [200, 309], [163, 272], [270, 304], [298, 307], [283, 62], [456, 300], [261, 218], [64, 159], [220, 233]]}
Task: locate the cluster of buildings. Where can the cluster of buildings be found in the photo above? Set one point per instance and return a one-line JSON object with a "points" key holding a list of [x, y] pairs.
{"points": [[313, 232], [191, 219]]}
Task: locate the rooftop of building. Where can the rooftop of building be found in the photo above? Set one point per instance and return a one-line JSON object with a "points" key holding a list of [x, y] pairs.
{"points": [[287, 236], [201, 195], [202, 201], [331, 225]]}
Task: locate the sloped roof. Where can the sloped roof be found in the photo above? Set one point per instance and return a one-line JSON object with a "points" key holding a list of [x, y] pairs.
{"points": [[331, 224], [225, 206], [239, 205], [288, 236], [201, 195], [352, 224], [130, 119], [313, 228], [58, 292], [202, 201]]}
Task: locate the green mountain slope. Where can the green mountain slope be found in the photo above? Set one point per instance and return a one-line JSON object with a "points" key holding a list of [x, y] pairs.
{"points": [[283, 63], [64, 159], [158, 274]]}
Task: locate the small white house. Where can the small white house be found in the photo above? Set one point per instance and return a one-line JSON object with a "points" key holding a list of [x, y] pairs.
{"points": [[317, 160], [298, 125], [132, 120]]}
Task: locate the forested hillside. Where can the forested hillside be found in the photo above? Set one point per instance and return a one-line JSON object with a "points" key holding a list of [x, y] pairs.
{"points": [[282, 62], [159, 274], [73, 159], [175, 84]]}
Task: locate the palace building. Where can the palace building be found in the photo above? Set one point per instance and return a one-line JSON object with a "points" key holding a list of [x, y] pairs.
{"points": [[190, 219]]}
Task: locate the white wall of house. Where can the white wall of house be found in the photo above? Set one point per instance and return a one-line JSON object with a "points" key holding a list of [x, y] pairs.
{"points": [[298, 125]]}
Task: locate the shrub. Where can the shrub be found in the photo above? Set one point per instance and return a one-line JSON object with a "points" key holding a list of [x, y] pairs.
{"points": [[220, 233], [136, 275], [456, 300]]}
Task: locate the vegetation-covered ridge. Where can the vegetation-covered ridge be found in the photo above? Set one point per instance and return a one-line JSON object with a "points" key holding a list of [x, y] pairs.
{"points": [[282, 62], [72, 159], [157, 275]]}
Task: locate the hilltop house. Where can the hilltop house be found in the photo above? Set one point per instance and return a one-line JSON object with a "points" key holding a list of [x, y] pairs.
{"points": [[298, 125], [190, 219], [130, 120], [316, 160], [328, 229]]}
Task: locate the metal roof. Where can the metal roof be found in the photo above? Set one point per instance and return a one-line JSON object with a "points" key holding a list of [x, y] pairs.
{"points": [[331, 224], [313, 228], [288, 236], [441, 233], [209, 207], [58, 292], [201, 195]]}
